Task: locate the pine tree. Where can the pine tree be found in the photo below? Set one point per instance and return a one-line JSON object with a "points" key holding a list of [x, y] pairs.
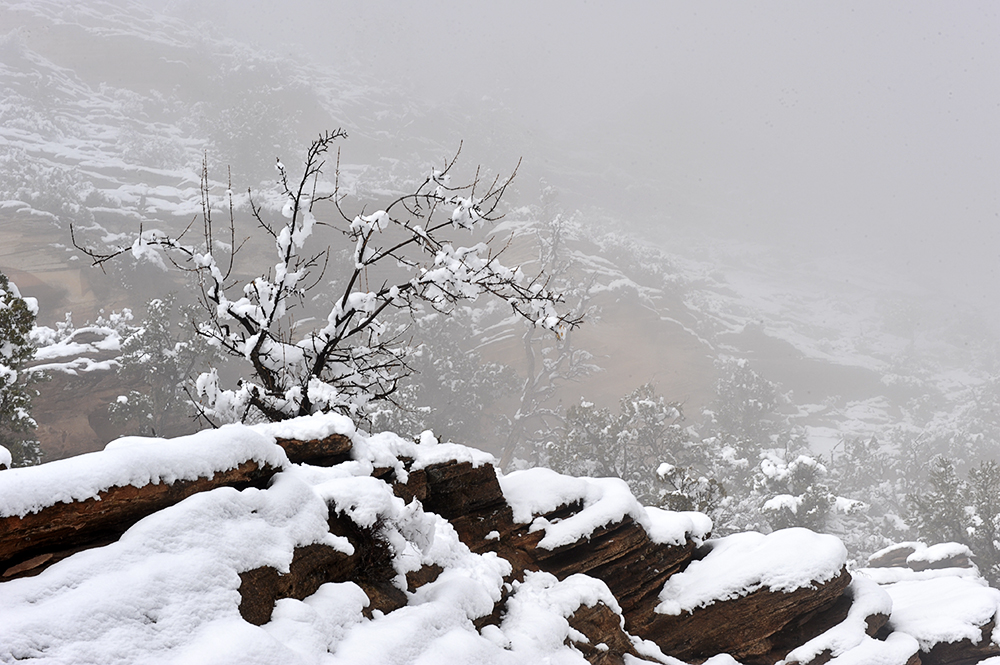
{"points": [[158, 359], [983, 496], [939, 515], [17, 318], [745, 405]]}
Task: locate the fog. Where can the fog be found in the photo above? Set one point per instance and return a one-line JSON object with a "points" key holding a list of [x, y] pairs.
{"points": [[806, 287], [832, 167], [864, 132]]}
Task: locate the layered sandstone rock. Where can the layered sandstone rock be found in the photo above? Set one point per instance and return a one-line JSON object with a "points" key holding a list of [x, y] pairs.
{"points": [[630, 581], [918, 556], [54, 510]]}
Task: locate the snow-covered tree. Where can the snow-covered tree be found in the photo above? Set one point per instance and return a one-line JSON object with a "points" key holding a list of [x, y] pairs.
{"points": [[549, 362], [17, 318], [799, 494], [864, 469], [939, 513], [347, 360], [632, 444], [689, 488], [962, 511], [982, 494], [158, 359], [452, 388], [744, 410]]}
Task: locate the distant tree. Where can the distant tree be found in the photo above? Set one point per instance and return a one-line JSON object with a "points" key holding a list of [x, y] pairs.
{"points": [[982, 495], [550, 362], [347, 360], [452, 388], [863, 465], [17, 318], [939, 514], [966, 512], [687, 488], [797, 491], [744, 409], [649, 433], [866, 470], [632, 444], [159, 358], [587, 446], [738, 432]]}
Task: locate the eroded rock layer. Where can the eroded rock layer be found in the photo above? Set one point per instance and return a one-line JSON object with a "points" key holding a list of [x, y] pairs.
{"points": [[632, 572]]}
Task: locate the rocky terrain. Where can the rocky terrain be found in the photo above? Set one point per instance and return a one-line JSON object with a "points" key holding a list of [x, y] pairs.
{"points": [[366, 535]]}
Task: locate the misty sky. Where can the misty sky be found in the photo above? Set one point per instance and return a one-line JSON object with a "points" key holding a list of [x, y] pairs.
{"points": [[871, 129]]}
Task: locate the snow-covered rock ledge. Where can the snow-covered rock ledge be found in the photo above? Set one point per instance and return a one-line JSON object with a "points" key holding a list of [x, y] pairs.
{"points": [[50, 511], [136, 462], [404, 551]]}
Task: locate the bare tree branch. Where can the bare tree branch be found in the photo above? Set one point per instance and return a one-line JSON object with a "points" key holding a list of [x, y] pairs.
{"points": [[351, 360]]}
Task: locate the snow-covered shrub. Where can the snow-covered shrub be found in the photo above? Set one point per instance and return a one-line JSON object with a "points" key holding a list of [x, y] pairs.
{"points": [[962, 511], [348, 359], [17, 318], [159, 358], [687, 489], [798, 493]]}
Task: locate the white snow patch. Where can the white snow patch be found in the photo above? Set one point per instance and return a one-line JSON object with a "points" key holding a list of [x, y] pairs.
{"points": [[780, 501], [898, 574], [537, 612], [739, 564], [308, 428], [169, 583], [895, 547], [135, 461], [943, 609], [674, 528], [897, 649], [438, 453], [868, 599], [605, 501], [940, 552]]}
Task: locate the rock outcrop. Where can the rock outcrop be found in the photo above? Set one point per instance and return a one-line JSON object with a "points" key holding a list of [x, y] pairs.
{"points": [[629, 581], [918, 556], [30, 543]]}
